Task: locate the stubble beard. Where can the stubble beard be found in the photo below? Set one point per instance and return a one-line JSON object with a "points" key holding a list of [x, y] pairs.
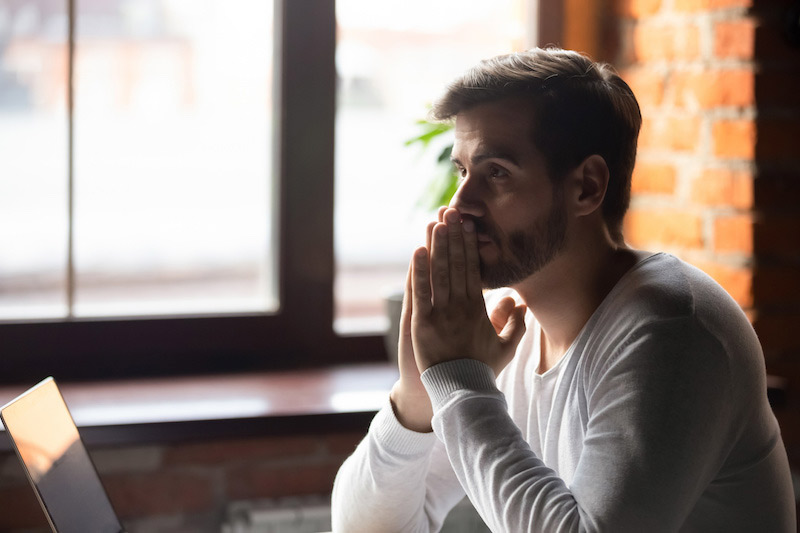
{"points": [[526, 251]]}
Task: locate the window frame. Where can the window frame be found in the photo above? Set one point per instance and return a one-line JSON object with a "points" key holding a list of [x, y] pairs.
{"points": [[300, 333]]}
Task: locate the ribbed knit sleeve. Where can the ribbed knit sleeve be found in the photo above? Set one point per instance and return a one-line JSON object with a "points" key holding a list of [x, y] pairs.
{"points": [[445, 379]]}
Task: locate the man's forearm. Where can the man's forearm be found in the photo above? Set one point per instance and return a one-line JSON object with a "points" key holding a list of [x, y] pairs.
{"points": [[384, 485]]}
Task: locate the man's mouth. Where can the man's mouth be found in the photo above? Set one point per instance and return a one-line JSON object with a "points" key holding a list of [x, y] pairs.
{"points": [[482, 232]]}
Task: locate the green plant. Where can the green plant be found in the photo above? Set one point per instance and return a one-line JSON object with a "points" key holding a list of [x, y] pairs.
{"points": [[444, 185]]}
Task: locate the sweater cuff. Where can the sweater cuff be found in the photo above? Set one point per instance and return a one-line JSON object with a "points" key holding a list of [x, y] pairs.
{"points": [[443, 379], [393, 436]]}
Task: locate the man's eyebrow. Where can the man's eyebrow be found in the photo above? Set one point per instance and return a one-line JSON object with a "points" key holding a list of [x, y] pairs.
{"points": [[478, 158]]}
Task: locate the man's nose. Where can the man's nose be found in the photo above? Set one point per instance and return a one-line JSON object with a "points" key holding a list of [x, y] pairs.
{"points": [[468, 198]]}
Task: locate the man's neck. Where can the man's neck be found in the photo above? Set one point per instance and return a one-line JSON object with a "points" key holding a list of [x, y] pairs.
{"points": [[565, 293]]}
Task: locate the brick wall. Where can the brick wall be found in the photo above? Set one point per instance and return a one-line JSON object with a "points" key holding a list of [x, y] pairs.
{"points": [[718, 175], [183, 488]]}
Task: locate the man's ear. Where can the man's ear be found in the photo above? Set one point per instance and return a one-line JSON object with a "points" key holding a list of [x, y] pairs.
{"points": [[589, 184]]}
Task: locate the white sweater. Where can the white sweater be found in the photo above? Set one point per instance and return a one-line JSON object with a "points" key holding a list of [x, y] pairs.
{"points": [[656, 419]]}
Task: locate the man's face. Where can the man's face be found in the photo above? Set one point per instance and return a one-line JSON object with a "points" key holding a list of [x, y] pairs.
{"points": [[518, 212]]}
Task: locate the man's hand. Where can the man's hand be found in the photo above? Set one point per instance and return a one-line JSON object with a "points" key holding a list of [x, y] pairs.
{"points": [[410, 400], [449, 319]]}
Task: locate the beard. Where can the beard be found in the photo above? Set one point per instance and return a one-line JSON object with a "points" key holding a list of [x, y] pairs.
{"points": [[524, 252]]}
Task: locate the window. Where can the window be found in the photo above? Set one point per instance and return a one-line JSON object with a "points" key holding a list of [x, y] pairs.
{"points": [[166, 183], [165, 207], [393, 59]]}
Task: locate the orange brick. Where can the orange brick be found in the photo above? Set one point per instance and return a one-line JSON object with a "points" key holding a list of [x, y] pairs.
{"points": [[709, 89], [636, 8], [735, 39], [737, 281], [658, 42], [734, 138], [646, 84], [724, 187], [651, 178], [708, 5], [671, 133], [668, 227], [733, 234], [691, 5], [624, 41]]}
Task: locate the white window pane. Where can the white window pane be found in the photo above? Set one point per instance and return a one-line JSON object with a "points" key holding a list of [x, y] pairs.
{"points": [[173, 163], [33, 160], [393, 59]]}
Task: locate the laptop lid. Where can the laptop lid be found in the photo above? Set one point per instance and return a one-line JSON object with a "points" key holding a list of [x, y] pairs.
{"points": [[56, 462]]}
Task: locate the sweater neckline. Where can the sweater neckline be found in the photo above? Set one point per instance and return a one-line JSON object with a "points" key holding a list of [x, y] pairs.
{"points": [[554, 370]]}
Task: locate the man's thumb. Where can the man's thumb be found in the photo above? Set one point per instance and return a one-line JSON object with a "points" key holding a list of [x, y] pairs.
{"points": [[515, 326]]}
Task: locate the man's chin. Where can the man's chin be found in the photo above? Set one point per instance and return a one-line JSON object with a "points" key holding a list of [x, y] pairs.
{"points": [[494, 276]]}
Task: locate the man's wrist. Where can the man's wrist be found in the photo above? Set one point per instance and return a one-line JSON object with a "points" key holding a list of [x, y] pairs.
{"points": [[411, 411], [444, 379]]}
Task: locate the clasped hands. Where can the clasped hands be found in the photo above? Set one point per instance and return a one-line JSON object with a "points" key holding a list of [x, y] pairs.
{"points": [[444, 315]]}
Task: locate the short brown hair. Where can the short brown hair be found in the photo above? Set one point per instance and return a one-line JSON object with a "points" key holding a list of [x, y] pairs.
{"points": [[581, 108]]}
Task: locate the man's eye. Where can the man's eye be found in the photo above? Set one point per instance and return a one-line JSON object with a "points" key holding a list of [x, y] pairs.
{"points": [[497, 172]]}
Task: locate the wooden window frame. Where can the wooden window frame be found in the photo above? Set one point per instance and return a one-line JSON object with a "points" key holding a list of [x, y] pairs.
{"points": [[300, 334]]}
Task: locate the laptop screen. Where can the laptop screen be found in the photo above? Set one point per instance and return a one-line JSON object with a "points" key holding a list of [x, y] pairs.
{"points": [[57, 463]]}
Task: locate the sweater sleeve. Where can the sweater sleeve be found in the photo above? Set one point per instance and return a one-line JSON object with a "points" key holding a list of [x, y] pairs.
{"points": [[656, 434], [397, 480]]}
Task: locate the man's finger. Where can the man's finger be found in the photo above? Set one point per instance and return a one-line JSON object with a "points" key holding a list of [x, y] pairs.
{"points": [[405, 314], [439, 268], [515, 326], [429, 235], [406, 362], [455, 255], [472, 261], [500, 314], [421, 283]]}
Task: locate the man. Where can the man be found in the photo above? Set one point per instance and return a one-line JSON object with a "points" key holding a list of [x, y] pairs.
{"points": [[611, 389]]}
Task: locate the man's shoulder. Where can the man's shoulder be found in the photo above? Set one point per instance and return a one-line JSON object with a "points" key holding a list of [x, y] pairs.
{"points": [[669, 299], [663, 286]]}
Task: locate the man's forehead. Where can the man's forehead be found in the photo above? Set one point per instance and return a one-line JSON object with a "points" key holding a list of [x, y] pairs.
{"points": [[502, 127], [510, 116]]}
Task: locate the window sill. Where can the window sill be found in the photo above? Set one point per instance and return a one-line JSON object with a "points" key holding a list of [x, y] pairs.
{"points": [[191, 408]]}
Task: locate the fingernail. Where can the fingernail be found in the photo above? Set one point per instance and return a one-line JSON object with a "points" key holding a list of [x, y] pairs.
{"points": [[469, 225]]}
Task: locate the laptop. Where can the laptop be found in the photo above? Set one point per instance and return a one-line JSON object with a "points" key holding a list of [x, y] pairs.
{"points": [[56, 462]]}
